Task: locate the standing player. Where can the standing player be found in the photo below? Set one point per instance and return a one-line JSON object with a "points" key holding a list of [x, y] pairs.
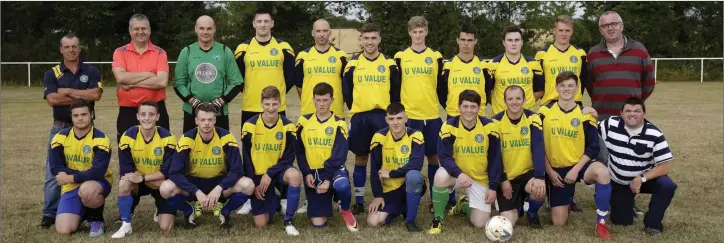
{"points": [[470, 156], [371, 82], [203, 70], [320, 63], [79, 158], [397, 158], [321, 153], [268, 141], [207, 167], [571, 143], [461, 72], [523, 153], [513, 68], [144, 156], [420, 68]]}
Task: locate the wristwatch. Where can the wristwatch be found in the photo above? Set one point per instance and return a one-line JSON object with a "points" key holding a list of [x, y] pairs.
{"points": [[643, 178]]}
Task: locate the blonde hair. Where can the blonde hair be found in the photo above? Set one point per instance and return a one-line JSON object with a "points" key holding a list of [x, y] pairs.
{"points": [[417, 22], [564, 19]]}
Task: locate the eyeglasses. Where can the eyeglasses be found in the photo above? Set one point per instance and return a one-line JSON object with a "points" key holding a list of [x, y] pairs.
{"points": [[612, 25]]}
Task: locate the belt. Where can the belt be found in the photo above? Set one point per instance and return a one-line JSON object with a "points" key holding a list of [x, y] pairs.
{"points": [[62, 123]]}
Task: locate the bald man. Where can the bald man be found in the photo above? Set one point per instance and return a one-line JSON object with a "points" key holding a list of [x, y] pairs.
{"points": [[206, 72]]}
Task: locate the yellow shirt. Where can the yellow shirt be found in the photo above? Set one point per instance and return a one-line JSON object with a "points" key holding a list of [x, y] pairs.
{"points": [[568, 135], [502, 73], [264, 64], [554, 61], [370, 83], [265, 147], [418, 92], [459, 75], [469, 151], [398, 156], [86, 158], [135, 154], [314, 67]]}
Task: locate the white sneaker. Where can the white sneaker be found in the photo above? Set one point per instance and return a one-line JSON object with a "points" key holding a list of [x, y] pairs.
{"points": [[155, 216], [303, 208], [291, 230], [245, 209], [125, 229], [283, 204], [526, 206]]}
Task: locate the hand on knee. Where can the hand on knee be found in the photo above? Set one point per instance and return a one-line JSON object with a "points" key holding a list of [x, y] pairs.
{"points": [[124, 188]]}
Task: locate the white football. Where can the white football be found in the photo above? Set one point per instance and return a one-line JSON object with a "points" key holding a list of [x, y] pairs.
{"points": [[499, 228]]}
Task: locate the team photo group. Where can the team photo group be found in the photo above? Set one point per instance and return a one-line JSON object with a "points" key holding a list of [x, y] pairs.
{"points": [[493, 168]]}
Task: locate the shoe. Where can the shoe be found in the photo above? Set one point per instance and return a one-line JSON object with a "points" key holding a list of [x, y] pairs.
{"points": [[357, 209], [290, 229], [283, 204], [246, 209], [411, 227], [219, 206], [602, 231], [304, 207], [534, 222], [436, 227], [449, 205], [225, 221], [189, 221], [197, 208], [575, 208], [652, 231], [432, 207], [46, 222], [96, 229], [87, 224], [123, 231], [119, 220], [458, 207], [155, 216], [349, 220], [637, 211]]}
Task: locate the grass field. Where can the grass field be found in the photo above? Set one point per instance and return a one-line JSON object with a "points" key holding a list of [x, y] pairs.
{"points": [[690, 114]]}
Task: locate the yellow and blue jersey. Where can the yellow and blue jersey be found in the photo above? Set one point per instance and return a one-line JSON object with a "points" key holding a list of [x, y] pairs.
{"points": [[418, 82], [321, 145], [554, 61], [474, 151], [147, 157], [501, 73], [522, 146], [218, 158], [568, 135], [398, 156], [86, 157], [314, 67], [262, 64], [457, 76], [370, 84], [267, 149]]}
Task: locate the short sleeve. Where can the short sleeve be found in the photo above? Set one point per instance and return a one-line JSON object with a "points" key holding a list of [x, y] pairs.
{"points": [[162, 62], [119, 61]]}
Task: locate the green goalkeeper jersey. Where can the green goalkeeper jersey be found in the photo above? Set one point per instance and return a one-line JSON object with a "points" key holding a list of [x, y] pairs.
{"points": [[207, 75]]}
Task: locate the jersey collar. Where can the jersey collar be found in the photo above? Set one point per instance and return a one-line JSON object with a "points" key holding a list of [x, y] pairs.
{"points": [[371, 60], [322, 52], [511, 62], [418, 52], [466, 62]]}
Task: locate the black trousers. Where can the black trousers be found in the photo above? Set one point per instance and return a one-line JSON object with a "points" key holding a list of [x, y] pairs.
{"points": [[222, 121], [127, 118]]}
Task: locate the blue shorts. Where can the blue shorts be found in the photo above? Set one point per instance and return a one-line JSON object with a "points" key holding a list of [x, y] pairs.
{"points": [[396, 200], [558, 196], [206, 185], [430, 131], [271, 199], [363, 126], [320, 205], [161, 203], [70, 201]]}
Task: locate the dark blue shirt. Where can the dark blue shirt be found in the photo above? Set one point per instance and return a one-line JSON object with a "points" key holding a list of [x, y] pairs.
{"points": [[86, 77]]}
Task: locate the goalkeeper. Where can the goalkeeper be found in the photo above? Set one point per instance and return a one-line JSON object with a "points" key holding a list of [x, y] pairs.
{"points": [[206, 72]]}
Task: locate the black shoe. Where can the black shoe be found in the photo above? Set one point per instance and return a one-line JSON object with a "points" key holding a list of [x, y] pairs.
{"points": [[411, 227], [46, 222], [357, 209], [575, 208], [189, 221], [448, 206], [652, 231], [637, 211], [534, 222], [225, 221]]}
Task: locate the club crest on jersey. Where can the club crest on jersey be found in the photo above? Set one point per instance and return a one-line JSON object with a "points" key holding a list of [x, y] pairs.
{"points": [[404, 149], [84, 78], [524, 70], [476, 70], [574, 59], [332, 59], [279, 136], [273, 52], [217, 57], [216, 150], [428, 60], [575, 122], [157, 151], [329, 131], [524, 131], [205, 73], [381, 68], [479, 138], [86, 149]]}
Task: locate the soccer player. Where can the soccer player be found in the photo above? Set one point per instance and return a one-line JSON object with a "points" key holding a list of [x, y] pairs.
{"points": [[321, 153], [523, 153], [461, 72], [203, 70], [469, 150], [571, 143], [268, 141], [370, 83], [71, 79], [513, 68], [207, 167], [144, 156], [320, 63], [141, 70], [79, 158], [397, 158], [559, 57]]}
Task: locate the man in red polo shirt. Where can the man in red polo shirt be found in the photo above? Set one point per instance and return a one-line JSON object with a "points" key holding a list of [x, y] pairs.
{"points": [[141, 70]]}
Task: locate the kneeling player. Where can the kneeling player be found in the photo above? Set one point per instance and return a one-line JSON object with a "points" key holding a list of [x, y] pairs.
{"points": [[207, 167], [523, 153], [268, 141], [397, 158], [144, 155], [469, 149], [321, 153], [79, 158], [571, 142]]}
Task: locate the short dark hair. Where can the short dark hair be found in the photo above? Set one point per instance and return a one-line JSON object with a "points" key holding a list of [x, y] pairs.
{"points": [[80, 103], [511, 29], [513, 87], [395, 108], [369, 27], [263, 11], [566, 76], [207, 107], [70, 35], [469, 95], [468, 28], [634, 100], [270, 92], [150, 103], [323, 88]]}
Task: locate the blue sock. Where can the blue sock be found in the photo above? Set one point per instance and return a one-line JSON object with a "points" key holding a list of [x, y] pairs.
{"points": [[344, 194], [235, 201], [431, 170], [533, 207], [360, 179], [390, 217], [179, 203], [413, 201], [603, 200], [292, 201], [124, 207]]}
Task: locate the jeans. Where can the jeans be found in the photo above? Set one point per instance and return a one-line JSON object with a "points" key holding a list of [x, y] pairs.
{"points": [[51, 190]]}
